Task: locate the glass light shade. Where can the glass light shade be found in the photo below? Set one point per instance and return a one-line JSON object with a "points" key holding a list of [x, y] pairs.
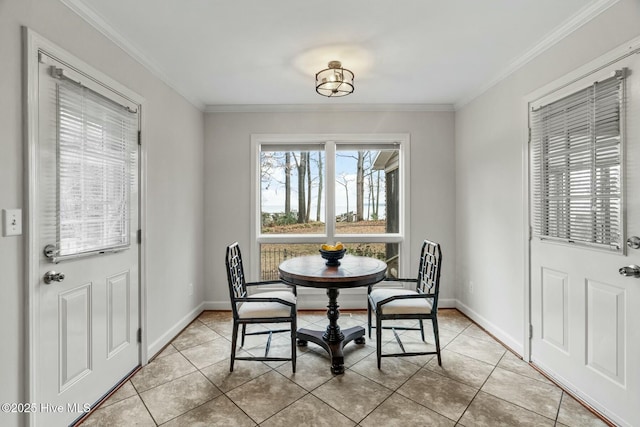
{"points": [[334, 81]]}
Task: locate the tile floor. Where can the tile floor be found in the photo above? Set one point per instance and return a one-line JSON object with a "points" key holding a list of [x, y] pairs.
{"points": [[480, 383]]}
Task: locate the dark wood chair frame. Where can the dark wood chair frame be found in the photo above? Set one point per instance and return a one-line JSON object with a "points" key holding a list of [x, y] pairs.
{"points": [[427, 287], [238, 293]]}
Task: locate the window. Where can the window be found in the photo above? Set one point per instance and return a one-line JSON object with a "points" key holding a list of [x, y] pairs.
{"points": [[577, 176], [311, 190], [96, 148]]}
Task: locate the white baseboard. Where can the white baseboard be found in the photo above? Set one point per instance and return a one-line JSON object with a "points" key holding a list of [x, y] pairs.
{"points": [[217, 305], [447, 303], [507, 339], [156, 346]]}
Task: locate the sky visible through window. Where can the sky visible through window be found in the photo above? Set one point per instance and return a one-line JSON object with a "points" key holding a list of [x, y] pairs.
{"points": [[273, 183]]}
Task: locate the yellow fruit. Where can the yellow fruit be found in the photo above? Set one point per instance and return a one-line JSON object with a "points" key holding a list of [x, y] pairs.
{"points": [[339, 246], [326, 247]]}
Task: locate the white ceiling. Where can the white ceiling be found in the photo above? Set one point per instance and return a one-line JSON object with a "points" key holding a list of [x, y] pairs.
{"points": [[258, 52]]}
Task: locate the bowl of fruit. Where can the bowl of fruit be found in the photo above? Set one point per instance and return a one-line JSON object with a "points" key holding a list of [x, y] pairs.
{"points": [[332, 253]]}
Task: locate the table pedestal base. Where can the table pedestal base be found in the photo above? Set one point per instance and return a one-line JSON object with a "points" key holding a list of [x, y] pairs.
{"points": [[333, 339], [334, 348]]}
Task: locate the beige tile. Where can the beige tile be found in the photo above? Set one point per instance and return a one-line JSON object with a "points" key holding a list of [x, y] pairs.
{"points": [[215, 316], [304, 323], [243, 372], [461, 368], [312, 370], [125, 391], [513, 363], [358, 315], [221, 327], [179, 396], [352, 353], [195, 334], [413, 340], [349, 322], [218, 412], [412, 343], [160, 371], [280, 347], [453, 320], [208, 353], [489, 411], [265, 395], [441, 394], [476, 331], [387, 336], [251, 341], [352, 394], [130, 412], [573, 414], [398, 411], [313, 316], [485, 351], [393, 372], [531, 394], [308, 411], [169, 349]]}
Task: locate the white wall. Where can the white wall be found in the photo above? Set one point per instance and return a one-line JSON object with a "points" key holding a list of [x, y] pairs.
{"points": [[489, 174], [228, 180], [174, 144]]}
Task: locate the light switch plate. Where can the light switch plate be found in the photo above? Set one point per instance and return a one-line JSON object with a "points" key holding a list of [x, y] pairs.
{"points": [[12, 222]]}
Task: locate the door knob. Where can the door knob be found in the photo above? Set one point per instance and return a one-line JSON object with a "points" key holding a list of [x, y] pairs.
{"points": [[52, 276], [633, 242], [630, 271]]}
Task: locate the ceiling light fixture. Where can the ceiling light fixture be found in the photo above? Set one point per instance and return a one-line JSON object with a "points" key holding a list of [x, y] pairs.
{"points": [[334, 81]]}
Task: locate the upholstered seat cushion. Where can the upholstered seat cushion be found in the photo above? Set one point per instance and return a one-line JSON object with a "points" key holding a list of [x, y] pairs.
{"points": [[401, 306], [260, 309]]}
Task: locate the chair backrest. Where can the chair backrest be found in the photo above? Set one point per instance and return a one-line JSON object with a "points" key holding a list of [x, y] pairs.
{"points": [[235, 275], [429, 270]]}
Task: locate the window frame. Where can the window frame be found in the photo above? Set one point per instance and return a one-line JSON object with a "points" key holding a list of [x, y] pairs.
{"points": [[330, 141]]}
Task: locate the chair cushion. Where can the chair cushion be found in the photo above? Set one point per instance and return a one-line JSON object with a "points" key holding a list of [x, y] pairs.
{"points": [[401, 306], [252, 310]]}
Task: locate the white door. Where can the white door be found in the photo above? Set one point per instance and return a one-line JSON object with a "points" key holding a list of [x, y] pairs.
{"points": [[585, 314], [87, 209]]}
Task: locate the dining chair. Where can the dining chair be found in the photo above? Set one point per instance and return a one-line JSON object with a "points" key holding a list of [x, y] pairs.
{"points": [[420, 303], [278, 306]]}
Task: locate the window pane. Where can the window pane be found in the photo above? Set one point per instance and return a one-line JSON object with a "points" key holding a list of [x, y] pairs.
{"points": [[367, 191], [272, 254], [292, 199]]}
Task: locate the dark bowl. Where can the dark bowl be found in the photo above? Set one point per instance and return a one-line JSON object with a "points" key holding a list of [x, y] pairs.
{"points": [[332, 257]]}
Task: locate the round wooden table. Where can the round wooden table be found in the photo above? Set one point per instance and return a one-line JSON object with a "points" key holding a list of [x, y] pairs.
{"points": [[353, 271]]}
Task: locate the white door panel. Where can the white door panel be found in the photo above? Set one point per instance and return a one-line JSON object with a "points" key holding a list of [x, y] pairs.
{"points": [[583, 312], [87, 323]]}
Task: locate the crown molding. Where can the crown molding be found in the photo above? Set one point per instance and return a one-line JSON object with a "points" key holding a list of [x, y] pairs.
{"points": [[572, 24], [97, 22], [325, 108]]}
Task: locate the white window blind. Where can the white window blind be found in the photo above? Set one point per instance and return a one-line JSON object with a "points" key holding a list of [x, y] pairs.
{"points": [[577, 158], [97, 144]]}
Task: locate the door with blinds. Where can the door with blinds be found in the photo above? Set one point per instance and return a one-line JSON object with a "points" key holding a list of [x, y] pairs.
{"points": [[86, 229], [585, 198]]}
